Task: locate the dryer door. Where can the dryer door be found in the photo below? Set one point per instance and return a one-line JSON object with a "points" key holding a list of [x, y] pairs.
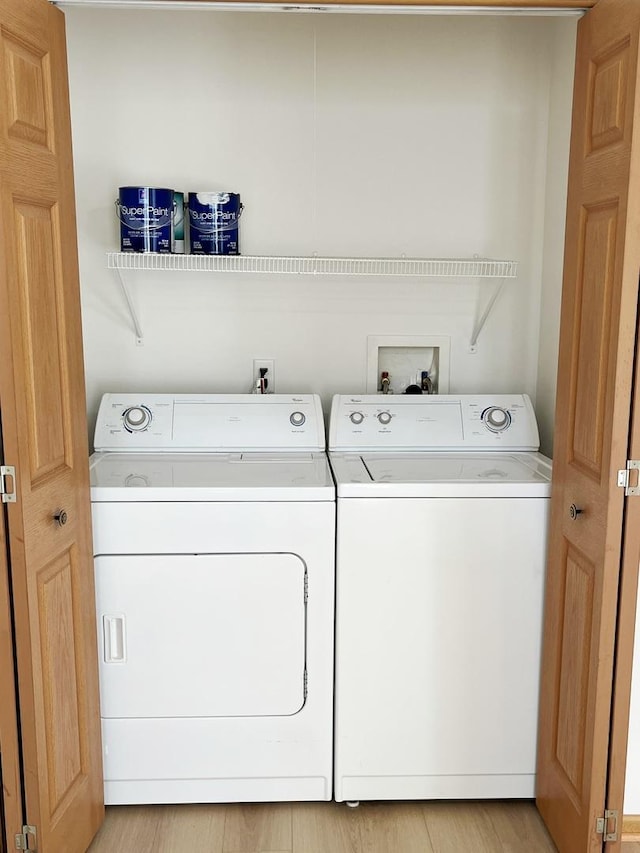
{"points": [[201, 635]]}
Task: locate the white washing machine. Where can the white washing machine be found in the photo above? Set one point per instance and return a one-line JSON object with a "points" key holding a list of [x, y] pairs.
{"points": [[214, 538], [441, 546]]}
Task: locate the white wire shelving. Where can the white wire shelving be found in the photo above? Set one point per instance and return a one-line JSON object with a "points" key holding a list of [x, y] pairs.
{"points": [[432, 268], [315, 265]]}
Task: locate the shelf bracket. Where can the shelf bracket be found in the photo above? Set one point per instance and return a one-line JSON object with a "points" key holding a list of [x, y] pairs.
{"points": [[482, 319], [132, 310]]}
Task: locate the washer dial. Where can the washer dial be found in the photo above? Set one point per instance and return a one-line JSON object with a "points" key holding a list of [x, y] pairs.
{"points": [[384, 418], [136, 418], [496, 419], [297, 418], [356, 418]]}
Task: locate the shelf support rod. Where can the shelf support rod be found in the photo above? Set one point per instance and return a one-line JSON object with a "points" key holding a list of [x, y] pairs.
{"points": [[485, 314], [132, 310]]}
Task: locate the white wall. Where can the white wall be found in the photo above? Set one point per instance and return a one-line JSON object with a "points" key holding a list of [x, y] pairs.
{"points": [[562, 45], [345, 134]]}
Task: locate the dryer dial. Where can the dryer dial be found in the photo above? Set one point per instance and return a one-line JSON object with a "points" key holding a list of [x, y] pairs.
{"points": [[297, 418], [136, 418], [496, 419]]}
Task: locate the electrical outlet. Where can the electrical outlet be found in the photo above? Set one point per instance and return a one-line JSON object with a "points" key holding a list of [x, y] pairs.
{"points": [[260, 364]]}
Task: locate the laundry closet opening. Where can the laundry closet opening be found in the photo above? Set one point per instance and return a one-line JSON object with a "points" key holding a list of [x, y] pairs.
{"points": [[347, 135]]}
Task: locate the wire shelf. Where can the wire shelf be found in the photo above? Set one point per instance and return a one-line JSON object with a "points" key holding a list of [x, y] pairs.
{"points": [[426, 267]]}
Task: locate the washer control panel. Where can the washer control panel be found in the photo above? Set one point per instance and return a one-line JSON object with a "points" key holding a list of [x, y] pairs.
{"points": [[209, 422], [433, 422]]}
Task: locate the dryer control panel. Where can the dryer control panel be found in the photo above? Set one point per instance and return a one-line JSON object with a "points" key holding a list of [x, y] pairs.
{"points": [[209, 422], [433, 422]]}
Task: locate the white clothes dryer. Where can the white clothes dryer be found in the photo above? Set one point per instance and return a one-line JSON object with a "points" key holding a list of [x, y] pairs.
{"points": [[214, 541], [441, 540]]}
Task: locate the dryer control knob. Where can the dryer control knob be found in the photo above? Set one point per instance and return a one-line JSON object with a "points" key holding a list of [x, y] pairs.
{"points": [[384, 418], [136, 418], [496, 419], [356, 417], [297, 418]]}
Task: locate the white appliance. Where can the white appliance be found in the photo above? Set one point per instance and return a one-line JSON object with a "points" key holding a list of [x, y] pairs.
{"points": [[214, 538], [441, 539]]}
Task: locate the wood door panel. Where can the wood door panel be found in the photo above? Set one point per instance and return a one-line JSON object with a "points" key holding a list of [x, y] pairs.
{"points": [[42, 319], [595, 380], [574, 669], [607, 97], [45, 434], [590, 366], [28, 81], [66, 758]]}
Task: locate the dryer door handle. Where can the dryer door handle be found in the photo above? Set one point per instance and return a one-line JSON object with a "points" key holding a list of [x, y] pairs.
{"points": [[114, 639]]}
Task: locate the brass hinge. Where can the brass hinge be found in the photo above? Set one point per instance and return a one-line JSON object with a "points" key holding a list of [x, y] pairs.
{"points": [[607, 826], [22, 839], [624, 477], [7, 471]]}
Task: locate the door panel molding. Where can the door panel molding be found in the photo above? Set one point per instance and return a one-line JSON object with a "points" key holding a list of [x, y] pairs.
{"points": [[65, 762], [607, 97], [595, 287], [29, 118], [573, 670]]}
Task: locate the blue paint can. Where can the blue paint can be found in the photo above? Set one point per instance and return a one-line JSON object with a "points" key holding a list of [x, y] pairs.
{"points": [[145, 215], [213, 223]]}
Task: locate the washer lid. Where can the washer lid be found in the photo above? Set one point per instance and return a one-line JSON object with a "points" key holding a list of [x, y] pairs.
{"points": [[149, 477], [442, 475]]}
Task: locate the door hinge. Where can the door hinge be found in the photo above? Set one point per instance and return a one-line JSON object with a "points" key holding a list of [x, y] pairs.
{"points": [[22, 838], [7, 471], [624, 477], [607, 826]]}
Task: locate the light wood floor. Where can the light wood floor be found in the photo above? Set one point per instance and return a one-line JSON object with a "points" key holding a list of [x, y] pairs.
{"points": [[435, 827], [487, 827]]}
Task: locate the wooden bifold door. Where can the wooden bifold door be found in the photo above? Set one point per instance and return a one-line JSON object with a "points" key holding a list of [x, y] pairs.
{"points": [[592, 431], [46, 550]]}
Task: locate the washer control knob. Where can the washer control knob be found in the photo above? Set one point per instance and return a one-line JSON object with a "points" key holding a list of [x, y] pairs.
{"points": [[496, 419], [297, 418], [136, 418], [356, 418], [384, 418]]}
